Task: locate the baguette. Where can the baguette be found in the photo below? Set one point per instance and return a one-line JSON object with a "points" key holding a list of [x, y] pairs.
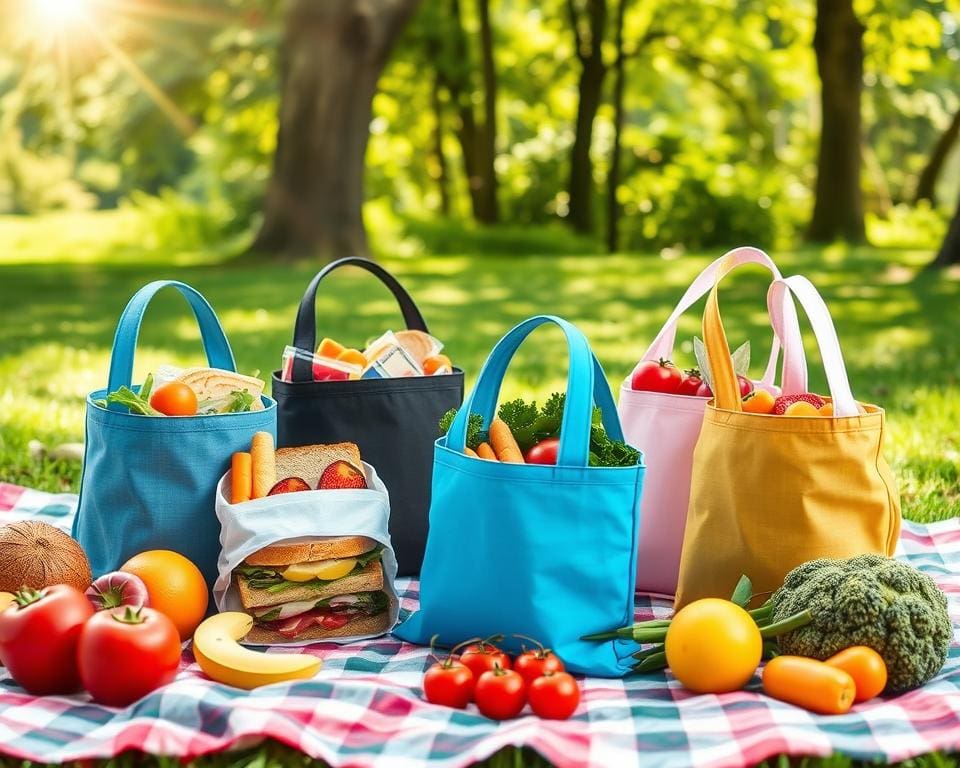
{"points": [[241, 477], [504, 444], [264, 464]]}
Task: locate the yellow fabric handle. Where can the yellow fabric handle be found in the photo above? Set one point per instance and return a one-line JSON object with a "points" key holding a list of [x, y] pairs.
{"points": [[726, 389]]}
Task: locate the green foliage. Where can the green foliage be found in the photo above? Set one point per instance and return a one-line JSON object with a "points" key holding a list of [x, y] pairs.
{"points": [[476, 434]]}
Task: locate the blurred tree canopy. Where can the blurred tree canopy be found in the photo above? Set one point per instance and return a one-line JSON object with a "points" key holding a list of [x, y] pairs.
{"points": [[646, 124]]}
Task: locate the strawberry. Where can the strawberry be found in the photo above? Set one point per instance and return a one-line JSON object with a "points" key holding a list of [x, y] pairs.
{"points": [[341, 474], [783, 402], [289, 485]]}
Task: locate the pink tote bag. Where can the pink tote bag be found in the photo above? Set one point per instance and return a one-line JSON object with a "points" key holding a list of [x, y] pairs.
{"points": [[665, 427]]}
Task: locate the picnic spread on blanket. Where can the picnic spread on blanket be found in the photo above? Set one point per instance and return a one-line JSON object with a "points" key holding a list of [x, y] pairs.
{"points": [[368, 565]]}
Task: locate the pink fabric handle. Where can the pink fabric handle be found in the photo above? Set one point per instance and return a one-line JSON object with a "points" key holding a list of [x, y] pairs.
{"points": [[823, 329], [794, 377]]}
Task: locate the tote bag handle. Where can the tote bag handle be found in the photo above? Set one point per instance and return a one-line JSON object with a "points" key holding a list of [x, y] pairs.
{"points": [[727, 392], [305, 330], [794, 367], [586, 385], [215, 344]]}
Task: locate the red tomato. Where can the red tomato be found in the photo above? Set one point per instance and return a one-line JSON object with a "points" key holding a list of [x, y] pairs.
{"points": [[691, 383], [448, 683], [38, 638], [175, 399], [544, 452], [657, 376], [500, 694], [533, 664], [124, 654], [554, 696], [746, 386], [482, 657], [704, 391]]}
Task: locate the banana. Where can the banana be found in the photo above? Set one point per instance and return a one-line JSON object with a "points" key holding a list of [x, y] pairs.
{"points": [[223, 659]]}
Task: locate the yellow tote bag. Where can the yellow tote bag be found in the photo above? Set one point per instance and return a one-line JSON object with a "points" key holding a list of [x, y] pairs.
{"points": [[770, 492]]}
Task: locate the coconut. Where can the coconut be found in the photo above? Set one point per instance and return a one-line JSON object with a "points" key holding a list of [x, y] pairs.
{"points": [[37, 555]]}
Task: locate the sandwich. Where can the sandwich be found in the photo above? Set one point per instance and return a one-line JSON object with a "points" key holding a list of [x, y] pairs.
{"points": [[220, 391], [314, 589]]}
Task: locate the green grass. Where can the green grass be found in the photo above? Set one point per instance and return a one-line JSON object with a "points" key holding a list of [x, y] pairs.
{"points": [[65, 279]]}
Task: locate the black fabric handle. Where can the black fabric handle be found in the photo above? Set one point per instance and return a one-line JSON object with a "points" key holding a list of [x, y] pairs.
{"points": [[305, 331]]}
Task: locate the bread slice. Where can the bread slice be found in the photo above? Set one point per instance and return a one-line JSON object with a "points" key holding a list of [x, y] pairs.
{"points": [[308, 461], [217, 384], [311, 550], [362, 625], [368, 579]]}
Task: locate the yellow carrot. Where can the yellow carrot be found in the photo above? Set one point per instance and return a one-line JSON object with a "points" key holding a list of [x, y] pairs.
{"points": [[504, 444], [263, 464], [470, 452], [241, 477], [484, 451]]}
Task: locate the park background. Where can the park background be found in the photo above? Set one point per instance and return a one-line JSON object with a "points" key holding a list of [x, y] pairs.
{"points": [[504, 158]]}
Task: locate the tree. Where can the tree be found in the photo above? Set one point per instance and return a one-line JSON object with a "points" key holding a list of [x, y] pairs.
{"points": [[613, 175], [332, 56], [838, 43], [589, 27], [950, 250], [927, 183]]}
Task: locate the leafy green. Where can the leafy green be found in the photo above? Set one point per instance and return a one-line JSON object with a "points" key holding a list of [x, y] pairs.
{"points": [[476, 434], [137, 403], [240, 402]]}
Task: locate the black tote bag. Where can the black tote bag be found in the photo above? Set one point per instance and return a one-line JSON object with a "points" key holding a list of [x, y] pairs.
{"points": [[393, 421]]}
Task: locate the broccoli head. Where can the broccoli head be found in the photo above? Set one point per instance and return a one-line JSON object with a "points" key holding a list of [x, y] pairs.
{"points": [[868, 600]]}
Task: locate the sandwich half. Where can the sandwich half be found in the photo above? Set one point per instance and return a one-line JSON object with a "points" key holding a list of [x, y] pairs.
{"points": [[314, 589]]}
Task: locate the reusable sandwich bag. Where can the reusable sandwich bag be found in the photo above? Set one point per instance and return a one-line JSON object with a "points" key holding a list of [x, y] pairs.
{"points": [[539, 550], [394, 421], [665, 427], [149, 482], [252, 525], [771, 492]]}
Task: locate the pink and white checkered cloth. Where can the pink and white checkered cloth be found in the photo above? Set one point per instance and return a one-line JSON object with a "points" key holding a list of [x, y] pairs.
{"points": [[364, 708]]}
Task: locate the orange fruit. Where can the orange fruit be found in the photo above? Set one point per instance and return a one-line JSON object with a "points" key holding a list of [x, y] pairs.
{"points": [[353, 356], [801, 408], [759, 401], [175, 586], [330, 348], [826, 409], [433, 364]]}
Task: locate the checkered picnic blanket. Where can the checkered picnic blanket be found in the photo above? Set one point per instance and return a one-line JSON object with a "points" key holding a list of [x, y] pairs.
{"points": [[365, 708]]}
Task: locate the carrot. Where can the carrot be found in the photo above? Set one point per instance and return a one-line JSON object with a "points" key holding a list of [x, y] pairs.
{"points": [[470, 452], [484, 451], [241, 477], [810, 684], [263, 464], [504, 444], [865, 666]]}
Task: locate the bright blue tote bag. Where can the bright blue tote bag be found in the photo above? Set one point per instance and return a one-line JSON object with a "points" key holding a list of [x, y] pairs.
{"points": [[544, 551], [150, 482]]}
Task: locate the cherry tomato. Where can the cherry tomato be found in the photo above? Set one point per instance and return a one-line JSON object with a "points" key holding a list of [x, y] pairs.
{"points": [[448, 683], [704, 391], [500, 694], [482, 657], [39, 632], [174, 399], [657, 376], [544, 452], [746, 386], [126, 653], [691, 383], [534, 663], [554, 696]]}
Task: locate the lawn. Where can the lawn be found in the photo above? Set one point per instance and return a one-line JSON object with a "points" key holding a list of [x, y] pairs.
{"points": [[898, 325]]}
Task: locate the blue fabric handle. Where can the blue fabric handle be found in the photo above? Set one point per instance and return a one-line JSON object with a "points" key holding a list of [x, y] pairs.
{"points": [[215, 344], [586, 385]]}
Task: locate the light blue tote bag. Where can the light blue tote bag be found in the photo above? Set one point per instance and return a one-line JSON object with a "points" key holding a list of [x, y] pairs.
{"points": [[150, 482], [544, 551]]}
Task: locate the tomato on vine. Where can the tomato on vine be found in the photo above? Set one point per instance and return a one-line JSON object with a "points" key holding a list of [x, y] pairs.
{"points": [[448, 682], [656, 376]]}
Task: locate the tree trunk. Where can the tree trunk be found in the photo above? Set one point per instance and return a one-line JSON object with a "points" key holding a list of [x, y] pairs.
{"points": [[489, 146], [927, 184], [613, 176], [443, 184], [838, 42], [950, 250], [332, 56], [592, 74]]}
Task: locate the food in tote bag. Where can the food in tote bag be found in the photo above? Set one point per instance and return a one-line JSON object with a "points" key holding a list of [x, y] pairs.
{"points": [[191, 392], [394, 354]]}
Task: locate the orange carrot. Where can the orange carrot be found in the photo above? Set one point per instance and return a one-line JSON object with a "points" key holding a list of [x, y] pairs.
{"points": [[484, 451], [241, 477], [470, 452], [504, 444], [810, 684]]}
